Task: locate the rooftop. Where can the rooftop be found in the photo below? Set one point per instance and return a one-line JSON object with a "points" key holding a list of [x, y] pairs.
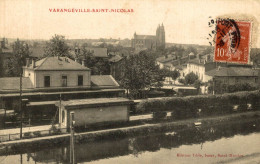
{"points": [[96, 101], [13, 83], [57, 63], [164, 59], [98, 52], [152, 37], [103, 81], [233, 71], [115, 58]]}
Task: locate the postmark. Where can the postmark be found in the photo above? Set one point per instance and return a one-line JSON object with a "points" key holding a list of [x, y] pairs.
{"points": [[232, 41]]}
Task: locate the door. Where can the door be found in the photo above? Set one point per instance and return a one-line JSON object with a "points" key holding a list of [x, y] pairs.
{"points": [[47, 81], [64, 81], [80, 80]]}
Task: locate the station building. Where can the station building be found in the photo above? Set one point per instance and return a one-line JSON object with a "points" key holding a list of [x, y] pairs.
{"points": [[53, 79]]}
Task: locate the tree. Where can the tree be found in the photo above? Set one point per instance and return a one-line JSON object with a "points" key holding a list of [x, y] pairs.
{"points": [[57, 47], [174, 75], [181, 80], [191, 49], [190, 78], [13, 65], [197, 85], [98, 66], [141, 72]]}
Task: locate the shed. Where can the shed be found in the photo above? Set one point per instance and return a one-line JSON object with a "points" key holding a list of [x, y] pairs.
{"points": [[94, 111]]}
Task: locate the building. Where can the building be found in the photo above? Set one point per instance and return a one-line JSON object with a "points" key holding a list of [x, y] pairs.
{"points": [[234, 75], [200, 66], [151, 42], [96, 52], [52, 79], [116, 63], [166, 61], [53, 72], [94, 111]]}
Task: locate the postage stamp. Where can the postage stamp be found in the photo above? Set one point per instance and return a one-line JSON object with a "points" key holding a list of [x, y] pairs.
{"points": [[232, 41]]}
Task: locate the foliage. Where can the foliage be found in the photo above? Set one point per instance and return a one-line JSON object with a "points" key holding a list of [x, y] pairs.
{"points": [[255, 56], [221, 87], [98, 66], [159, 115], [13, 65], [54, 129], [203, 105], [181, 80], [57, 47], [208, 50], [174, 74], [191, 49], [141, 72], [190, 78], [197, 84], [37, 134]]}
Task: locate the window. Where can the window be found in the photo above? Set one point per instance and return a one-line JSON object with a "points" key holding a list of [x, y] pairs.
{"points": [[63, 115], [64, 81], [47, 81], [80, 80]]}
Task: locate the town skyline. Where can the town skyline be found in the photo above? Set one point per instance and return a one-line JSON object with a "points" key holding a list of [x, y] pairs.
{"points": [[35, 21]]}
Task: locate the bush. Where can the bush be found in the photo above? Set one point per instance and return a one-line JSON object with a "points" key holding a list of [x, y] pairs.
{"points": [[37, 134], [187, 107], [27, 134], [54, 130], [159, 115]]}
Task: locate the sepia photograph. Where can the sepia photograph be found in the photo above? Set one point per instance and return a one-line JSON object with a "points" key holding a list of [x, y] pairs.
{"points": [[129, 81]]}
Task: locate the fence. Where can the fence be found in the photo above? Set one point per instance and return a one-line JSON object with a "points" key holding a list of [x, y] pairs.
{"points": [[32, 134]]}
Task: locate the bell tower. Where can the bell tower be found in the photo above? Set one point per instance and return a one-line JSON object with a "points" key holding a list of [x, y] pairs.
{"points": [[162, 36]]}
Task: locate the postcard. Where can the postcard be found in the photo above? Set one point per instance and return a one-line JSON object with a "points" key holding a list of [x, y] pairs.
{"points": [[129, 81]]}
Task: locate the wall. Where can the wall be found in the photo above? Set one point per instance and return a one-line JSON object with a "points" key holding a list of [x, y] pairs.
{"points": [[94, 115], [31, 74], [55, 78]]}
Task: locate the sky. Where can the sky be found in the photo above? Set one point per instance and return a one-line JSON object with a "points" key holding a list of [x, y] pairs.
{"points": [[185, 21]]}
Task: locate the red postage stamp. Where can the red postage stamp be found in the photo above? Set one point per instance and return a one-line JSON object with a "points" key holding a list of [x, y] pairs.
{"points": [[232, 41]]}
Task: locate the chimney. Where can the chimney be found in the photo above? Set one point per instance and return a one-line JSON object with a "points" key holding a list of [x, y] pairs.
{"points": [[83, 62], [33, 63], [27, 62]]}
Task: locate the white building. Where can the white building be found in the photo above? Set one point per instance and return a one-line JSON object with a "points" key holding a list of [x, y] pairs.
{"points": [[57, 72]]}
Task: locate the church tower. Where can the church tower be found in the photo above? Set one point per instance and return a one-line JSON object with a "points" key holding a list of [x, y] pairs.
{"points": [[160, 36]]}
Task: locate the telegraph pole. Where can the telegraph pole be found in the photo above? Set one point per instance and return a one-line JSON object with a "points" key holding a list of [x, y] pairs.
{"points": [[21, 110], [72, 151]]}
